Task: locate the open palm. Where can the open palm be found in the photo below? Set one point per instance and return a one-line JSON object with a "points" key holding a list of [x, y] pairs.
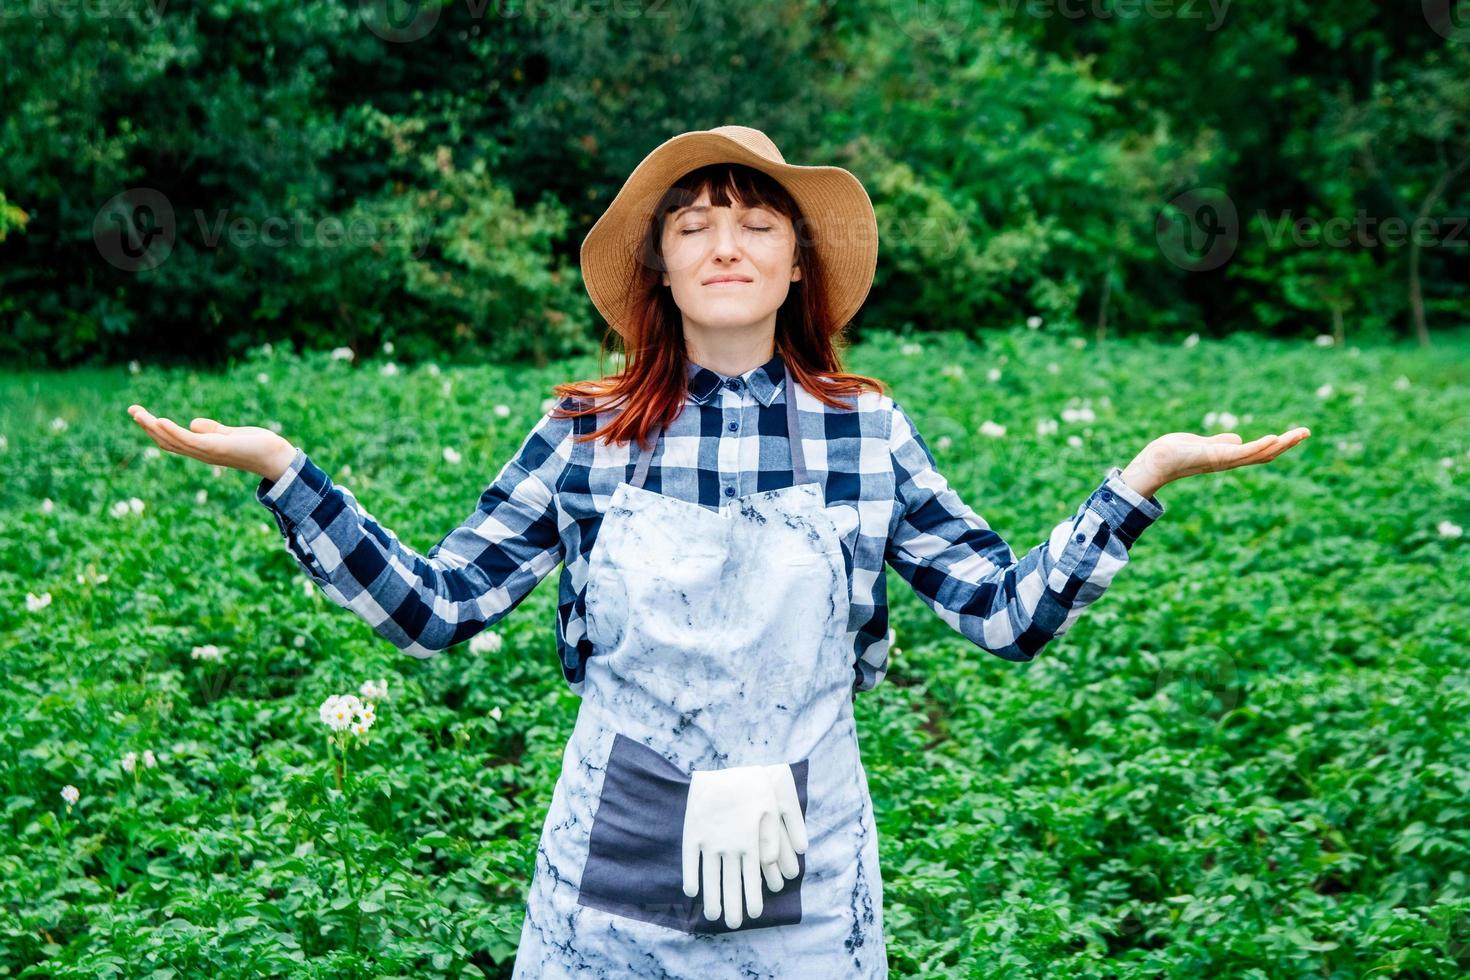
{"points": [[242, 447], [1179, 454]]}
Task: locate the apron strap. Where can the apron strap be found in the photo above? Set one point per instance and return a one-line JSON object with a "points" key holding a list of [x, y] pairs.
{"points": [[793, 436]]}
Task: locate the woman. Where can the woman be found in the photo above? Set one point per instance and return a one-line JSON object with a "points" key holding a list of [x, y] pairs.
{"points": [[722, 596]]}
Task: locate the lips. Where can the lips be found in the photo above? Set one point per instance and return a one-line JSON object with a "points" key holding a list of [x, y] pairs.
{"points": [[726, 281]]}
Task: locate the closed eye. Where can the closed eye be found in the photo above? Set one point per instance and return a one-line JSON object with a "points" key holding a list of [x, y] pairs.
{"points": [[690, 231]]}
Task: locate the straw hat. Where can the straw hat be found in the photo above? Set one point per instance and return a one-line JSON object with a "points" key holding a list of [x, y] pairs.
{"points": [[839, 218]]}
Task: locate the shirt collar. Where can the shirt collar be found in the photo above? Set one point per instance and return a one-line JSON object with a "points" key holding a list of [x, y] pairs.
{"points": [[763, 381]]}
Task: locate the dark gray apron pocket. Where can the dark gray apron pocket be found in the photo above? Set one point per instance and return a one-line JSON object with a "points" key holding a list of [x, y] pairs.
{"points": [[635, 855]]}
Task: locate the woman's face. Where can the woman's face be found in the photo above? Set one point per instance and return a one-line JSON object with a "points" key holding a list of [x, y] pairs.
{"points": [[755, 248]]}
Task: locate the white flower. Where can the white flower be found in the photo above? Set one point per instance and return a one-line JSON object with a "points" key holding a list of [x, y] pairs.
{"points": [[119, 509], [910, 349], [433, 370], [993, 374], [1078, 342], [1052, 368], [1325, 391], [299, 642], [387, 347], [1402, 383], [1046, 427], [1447, 462], [450, 456], [47, 506], [989, 428], [150, 761], [1450, 530], [547, 404], [35, 603], [263, 378], [129, 761], [342, 354], [219, 471], [1075, 442], [4, 444], [201, 496], [446, 387], [134, 367], [306, 584], [274, 426], [375, 690], [388, 369], [366, 715], [136, 505], [267, 349], [152, 452], [339, 711], [495, 712], [486, 641], [206, 652], [70, 794], [502, 411], [58, 424], [1324, 340], [358, 728], [943, 443], [1033, 322], [1083, 414], [1191, 340], [1224, 420], [953, 370], [346, 470]]}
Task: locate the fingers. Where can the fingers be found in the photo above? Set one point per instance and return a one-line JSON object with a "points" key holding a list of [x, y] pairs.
{"points": [[710, 868], [768, 837], [783, 784], [691, 864], [731, 873], [774, 879], [786, 857], [750, 872]]}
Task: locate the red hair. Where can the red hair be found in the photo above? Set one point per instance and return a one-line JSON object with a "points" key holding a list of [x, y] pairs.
{"points": [[654, 380]]}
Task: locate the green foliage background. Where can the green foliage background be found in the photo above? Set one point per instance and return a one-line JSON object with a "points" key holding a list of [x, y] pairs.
{"points": [[1020, 155], [1247, 760]]}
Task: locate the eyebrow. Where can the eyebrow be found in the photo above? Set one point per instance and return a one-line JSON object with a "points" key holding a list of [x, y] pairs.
{"points": [[705, 207]]}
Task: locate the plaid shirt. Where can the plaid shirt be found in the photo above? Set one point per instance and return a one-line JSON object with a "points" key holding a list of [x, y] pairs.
{"points": [[889, 501]]}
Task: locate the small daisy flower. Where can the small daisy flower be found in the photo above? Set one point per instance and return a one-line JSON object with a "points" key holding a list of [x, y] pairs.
{"points": [[375, 690], [1325, 391], [388, 369], [501, 411], [35, 603], [1226, 421], [152, 452], [495, 712], [342, 354], [992, 429], [1053, 368], [150, 761], [387, 347], [1450, 530], [910, 349], [1079, 343], [4, 444], [486, 641], [451, 457], [58, 424], [1324, 340], [219, 471], [1033, 322], [263, 378], [135, 505], [953, 370], [942, 443], [1402, 383], [446, 387], [208, 652], [134, 367], [1191, 340], [1046, 427], [1083, 414], [47, 506], [267, 349], [299, 642], [71, 795], [1075, 442], [129, 761], [339, 711], [993, 374], [201, 496], [306, 586], [433, 370]]}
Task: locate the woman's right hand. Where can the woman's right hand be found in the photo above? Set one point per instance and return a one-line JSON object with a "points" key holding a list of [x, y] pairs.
{"points": [[242, 447]]}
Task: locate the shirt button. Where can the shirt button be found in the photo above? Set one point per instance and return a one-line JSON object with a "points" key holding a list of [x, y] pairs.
{"points": [[1079, 538], [1107, 495], [734, 426], [729, 491]]}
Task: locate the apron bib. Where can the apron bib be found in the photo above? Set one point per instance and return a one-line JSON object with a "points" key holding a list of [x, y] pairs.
{"points": [[720, 640]]}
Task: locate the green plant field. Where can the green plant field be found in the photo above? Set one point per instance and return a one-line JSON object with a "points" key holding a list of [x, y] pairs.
{"points": [[1249, 759]]}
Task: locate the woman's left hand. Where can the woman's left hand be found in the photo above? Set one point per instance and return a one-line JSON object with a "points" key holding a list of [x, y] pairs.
{"points": [[1179, 454]]}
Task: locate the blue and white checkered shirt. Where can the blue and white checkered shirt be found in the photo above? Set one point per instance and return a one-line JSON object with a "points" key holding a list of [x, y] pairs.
{"points": [[887, 497]]}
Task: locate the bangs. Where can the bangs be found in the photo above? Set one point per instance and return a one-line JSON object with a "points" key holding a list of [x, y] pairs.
{"points": [[728, 184]]}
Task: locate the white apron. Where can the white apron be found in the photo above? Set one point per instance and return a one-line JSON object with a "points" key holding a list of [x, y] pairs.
{"points": [[720, 639]]}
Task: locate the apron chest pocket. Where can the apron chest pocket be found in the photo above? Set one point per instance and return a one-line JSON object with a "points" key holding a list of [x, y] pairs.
{"points": [[634, 855]]}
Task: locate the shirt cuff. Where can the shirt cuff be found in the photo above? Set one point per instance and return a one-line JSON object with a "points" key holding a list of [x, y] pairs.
{"points": [[1128, 512], [297, 492]]}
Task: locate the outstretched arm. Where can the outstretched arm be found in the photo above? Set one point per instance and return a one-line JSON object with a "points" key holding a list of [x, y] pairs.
{"points": [[472, 578], [968, 574]]}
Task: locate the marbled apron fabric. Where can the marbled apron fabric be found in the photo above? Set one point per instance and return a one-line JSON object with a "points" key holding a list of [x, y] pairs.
{"points": [[721, 641]]}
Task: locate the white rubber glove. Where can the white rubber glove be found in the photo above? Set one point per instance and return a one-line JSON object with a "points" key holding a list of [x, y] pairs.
{"points": [[791, 826], [740, 822]]}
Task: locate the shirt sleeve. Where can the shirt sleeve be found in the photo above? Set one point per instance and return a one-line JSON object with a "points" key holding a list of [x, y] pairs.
{"points": [[472, 578], [965, 572]]}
